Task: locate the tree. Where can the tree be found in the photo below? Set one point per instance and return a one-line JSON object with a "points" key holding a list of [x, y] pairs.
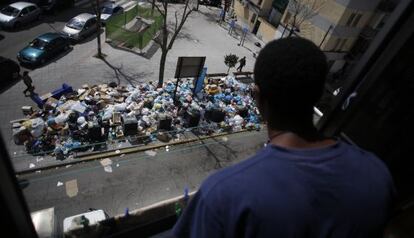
{"points": [[230, 60], [97, 9], [303, 10], [165, 43]]}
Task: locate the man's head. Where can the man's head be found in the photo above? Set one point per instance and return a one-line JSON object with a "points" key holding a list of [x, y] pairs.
{"points": [[289, 76], [25, 73]]}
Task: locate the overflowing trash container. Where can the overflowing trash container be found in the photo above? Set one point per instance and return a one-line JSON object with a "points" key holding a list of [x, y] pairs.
{"points": [[74, 120]]}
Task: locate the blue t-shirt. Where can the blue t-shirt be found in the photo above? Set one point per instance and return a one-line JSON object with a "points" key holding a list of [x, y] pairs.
{"points": [[334, 191]]}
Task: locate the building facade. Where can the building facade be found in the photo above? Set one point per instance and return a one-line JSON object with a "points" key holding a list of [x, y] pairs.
{"points": [[336, 27]]}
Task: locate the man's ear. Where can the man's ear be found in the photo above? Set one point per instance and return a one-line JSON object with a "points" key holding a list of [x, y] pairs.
{"points": [[260, 102]]}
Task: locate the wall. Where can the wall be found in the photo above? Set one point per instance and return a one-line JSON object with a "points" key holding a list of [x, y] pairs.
{"points": [[266, 31]]}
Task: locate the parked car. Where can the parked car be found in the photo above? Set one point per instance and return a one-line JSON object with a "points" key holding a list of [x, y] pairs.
{"points": [[43, 48], [9, 69], [109, 10], [19, 13], [80, 26], [53, 5]]}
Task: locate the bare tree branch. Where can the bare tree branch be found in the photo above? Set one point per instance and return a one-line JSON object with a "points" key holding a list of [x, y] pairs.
{"points": [[185, 16], [303, 10], [159, 10]]}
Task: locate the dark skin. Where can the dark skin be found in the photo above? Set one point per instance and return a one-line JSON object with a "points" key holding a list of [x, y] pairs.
{"points": [[286, 139]]}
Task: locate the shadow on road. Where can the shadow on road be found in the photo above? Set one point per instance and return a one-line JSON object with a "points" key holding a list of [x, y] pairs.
{"points": [[121, 75], [4, 86], [23, 183]]}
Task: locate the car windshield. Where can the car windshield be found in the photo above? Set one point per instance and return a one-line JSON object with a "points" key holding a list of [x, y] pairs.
{"points": [[10, 11], [38, 44], [107, 10], [75, 24]]}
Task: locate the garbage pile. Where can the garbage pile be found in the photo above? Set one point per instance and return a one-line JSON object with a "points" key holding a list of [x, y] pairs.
{"points": [[108, 112]]}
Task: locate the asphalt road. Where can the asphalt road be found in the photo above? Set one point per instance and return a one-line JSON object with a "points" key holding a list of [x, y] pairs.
{"points": [[12, 41], [135, 180]]}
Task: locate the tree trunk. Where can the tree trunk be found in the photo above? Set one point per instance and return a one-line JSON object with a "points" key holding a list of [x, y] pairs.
{"points": [[228, 70], [162, 67], [152, 8], [98, 18]]}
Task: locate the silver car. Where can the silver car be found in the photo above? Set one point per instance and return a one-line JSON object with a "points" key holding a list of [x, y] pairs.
{"points": [[19, 13], [109, 10], [80, 26]]}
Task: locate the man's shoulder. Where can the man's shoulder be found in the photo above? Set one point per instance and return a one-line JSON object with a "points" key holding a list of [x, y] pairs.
{"points": [[227, 178]]}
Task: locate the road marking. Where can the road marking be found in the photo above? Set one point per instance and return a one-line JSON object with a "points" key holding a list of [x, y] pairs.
{"points": [[72, 188]]}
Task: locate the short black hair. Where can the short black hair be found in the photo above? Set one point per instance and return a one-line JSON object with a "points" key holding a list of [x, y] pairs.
{"points": [[290, 74], [25, 73]]}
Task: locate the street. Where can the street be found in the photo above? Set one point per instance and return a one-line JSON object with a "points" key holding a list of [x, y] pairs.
{"points": [[135, 180], [200, 36]]}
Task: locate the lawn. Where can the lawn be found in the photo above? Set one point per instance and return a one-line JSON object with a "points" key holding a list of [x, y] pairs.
{"points": [[117, 33]]}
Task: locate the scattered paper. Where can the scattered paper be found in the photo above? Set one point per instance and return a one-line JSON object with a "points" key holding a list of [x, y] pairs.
{"points": [[150, 153], [68, 166], [225, 139], [38, 171], [72, 188], [108, 169], [117, 151], [31, 165], [122, 155], [59, 184], [106, 162], [117, 165], [38, 159]]}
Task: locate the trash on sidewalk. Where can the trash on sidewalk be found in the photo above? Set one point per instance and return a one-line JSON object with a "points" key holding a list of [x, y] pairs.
{"points": [[94, 116]]}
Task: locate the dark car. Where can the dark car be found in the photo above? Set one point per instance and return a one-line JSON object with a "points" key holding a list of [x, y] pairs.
{"points": [[9, 70], [43, 48], [53, 5]]}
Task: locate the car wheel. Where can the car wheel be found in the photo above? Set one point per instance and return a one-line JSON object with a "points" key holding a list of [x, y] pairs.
{"points": [[66, 47]]}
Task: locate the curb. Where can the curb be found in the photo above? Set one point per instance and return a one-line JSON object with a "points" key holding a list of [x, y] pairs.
{"points": [[129, 150]]}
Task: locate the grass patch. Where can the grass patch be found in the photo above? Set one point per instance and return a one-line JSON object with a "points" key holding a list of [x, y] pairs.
{"points": [[115, 28]]}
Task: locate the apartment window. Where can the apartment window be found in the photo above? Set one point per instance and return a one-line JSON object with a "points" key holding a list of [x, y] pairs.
{"points": [[253, 18], [350, 19], [357, 18]]}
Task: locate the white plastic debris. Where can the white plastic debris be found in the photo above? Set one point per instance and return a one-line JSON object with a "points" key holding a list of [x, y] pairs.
{"points": [[38, 159], [31, 165], [37, 127], [117, 151], [108, 169], [59, 184], [151, 153], [224, 138]]}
